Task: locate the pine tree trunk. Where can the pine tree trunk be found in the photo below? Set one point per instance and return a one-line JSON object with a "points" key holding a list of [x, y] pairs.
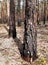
{"points": [[37, 5], [44, 12], [30, 33], [12, 29], [19, 14]]}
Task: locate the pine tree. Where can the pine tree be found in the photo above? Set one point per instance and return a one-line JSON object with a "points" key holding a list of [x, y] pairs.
{"points": [[19, 17], [30, 33], [12, 29]]}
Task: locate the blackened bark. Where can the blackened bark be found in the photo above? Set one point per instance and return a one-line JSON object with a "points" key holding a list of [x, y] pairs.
{"points": [[30, 33], [12, 29]]}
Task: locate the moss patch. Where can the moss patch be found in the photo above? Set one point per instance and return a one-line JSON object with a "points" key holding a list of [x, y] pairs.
{"points": [[40, 61]]}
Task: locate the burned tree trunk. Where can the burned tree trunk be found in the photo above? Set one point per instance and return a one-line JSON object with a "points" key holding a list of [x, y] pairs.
{"points": [[30, 33], [12, 29]]}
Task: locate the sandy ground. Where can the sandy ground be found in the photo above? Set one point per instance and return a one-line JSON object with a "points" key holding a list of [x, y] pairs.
{"points": [[9, 52]]}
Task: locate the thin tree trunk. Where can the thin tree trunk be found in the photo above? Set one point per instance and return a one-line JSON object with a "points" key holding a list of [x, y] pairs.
{"points": [[30, 34], [44, 12], [12, 29], [8, 12], [19, 14], [37, 5]]}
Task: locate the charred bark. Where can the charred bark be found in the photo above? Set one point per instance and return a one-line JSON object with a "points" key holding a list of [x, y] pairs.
{"points": [[12, 29], [30, 33]]}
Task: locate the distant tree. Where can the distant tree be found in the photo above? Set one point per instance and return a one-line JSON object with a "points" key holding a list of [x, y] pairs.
{"points": [[37, 11], [4, 11], [18, 10], [30, 33], [44, 12], [12, 29]]}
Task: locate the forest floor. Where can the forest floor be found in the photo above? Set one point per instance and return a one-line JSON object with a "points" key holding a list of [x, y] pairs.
{"points": [[9, 52]]}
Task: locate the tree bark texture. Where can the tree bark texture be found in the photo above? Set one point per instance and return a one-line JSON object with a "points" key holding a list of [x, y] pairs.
{"points": [[12, 29], [30, 33]]}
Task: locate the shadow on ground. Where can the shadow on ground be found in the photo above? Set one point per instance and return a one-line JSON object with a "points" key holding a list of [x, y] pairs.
{"points": [[20, 45]]}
